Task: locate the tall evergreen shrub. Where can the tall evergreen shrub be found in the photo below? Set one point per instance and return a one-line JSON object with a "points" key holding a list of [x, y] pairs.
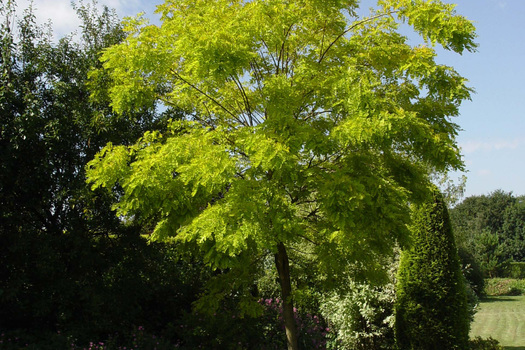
{"points": [[431, 308]]}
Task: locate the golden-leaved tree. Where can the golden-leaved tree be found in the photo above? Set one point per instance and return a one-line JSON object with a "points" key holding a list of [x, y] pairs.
{"points": [[306, 125]]}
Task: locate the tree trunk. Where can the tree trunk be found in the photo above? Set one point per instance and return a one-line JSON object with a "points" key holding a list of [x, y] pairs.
{"points": [[283, 269]]}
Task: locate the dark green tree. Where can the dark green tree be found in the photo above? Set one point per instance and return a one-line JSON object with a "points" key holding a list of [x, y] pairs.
{"points": [[480, 213], [60, 249], [431, 308], [513, 231], [488, 226]]}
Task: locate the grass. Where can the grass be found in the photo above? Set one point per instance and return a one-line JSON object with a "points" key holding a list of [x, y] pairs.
{"points": [[502, 318]]}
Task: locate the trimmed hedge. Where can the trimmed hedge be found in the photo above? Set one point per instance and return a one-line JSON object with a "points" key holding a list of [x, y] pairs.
{"points": [[431, 309]]}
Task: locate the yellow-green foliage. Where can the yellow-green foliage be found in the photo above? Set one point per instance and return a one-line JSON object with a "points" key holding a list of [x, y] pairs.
{"points": [[431, 307], [311, 126]]}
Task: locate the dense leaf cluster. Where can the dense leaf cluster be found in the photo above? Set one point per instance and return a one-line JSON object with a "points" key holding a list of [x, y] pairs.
{"points": [[306, 134], [309, 128], [66, 261], [431, 306], [492, 228]]}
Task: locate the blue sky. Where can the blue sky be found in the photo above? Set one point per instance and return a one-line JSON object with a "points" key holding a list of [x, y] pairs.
{"points": [[493, 123], [493, 140]]}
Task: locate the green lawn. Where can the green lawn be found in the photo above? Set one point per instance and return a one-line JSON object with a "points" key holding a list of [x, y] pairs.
{"points": [[502, 318]]}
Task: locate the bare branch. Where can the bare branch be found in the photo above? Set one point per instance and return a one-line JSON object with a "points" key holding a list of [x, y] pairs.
{"points": [[270, 53], [244, 97]]}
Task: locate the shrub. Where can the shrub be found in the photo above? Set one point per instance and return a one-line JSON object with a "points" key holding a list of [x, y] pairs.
{"points": [[484, 344], [362, 318], [225, 329], [431, 309], [472, 271], [139, 338], [516, 270], [504, 286]]}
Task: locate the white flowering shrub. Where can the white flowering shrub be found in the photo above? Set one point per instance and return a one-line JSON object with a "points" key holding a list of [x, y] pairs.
{"points": [[361, 317]]}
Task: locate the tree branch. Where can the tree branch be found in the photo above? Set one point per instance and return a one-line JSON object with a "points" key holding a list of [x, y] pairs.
{"points": [[352, 27], [244, 97], [204, 94]]}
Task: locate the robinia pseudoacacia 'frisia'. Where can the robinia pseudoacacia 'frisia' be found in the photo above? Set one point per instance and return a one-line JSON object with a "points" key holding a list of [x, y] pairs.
{"points": [[306, 124]]}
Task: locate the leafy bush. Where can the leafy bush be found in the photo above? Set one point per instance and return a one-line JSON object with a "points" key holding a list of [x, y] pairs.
{"points": [[504, 286], [139, 338], [484, 344], [227, 329], [362, 318], [516, 270], [472, 271], [222, 330], [431, 309]]}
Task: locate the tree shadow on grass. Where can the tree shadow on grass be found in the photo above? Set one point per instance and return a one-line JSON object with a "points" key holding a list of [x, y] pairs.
{"points": [[514, 347], [496, 299]]}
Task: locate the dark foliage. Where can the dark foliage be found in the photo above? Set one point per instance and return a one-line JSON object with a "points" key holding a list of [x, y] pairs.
{"points": [[492, 228], [484, 344], [472, 271], [66, 261], [431, 307]]}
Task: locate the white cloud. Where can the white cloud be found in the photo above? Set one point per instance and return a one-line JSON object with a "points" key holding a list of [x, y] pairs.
{"points": [[64, 18], [494, 145], [60, 12], [500, 3]]}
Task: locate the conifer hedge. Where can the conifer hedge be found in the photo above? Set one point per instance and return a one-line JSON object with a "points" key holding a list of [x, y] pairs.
{"points": [[431, 308]]}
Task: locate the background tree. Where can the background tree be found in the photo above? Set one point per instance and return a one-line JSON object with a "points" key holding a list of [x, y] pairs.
{"points": [[310, 127], [513, 230], [490, 227], [491, 254], [65, 259], [477, 213], [431, 306]]}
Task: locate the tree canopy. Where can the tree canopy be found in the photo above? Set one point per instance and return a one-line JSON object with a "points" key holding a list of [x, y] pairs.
{"points": [[58, 264], [491, 228], [309, 129]]}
